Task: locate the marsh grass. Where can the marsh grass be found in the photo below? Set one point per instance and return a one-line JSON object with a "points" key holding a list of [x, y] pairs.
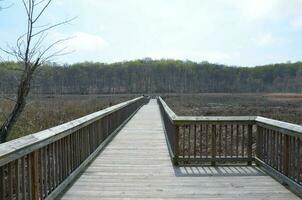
{"points": [[280, 106], [44, 112]]}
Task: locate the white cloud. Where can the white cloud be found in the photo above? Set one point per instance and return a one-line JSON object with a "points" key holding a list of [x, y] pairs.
{"points": [[86, 42], [267, 39], [197, 29], [296, 23], [254, 9], [211, 56], [81, 41], [264, 40]]}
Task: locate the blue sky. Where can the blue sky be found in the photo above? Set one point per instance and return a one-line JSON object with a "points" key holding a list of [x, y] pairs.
{"points": [[233, 32]]}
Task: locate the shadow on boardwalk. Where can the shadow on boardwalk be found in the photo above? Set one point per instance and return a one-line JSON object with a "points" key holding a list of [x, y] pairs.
{"points": [[218, 171]]}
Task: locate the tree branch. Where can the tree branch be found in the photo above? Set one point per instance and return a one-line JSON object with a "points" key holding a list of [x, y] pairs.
{"points": [[53, 26]]}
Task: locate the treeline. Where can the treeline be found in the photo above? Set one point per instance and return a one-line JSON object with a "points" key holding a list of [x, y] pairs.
{"points": [[155, 76]]}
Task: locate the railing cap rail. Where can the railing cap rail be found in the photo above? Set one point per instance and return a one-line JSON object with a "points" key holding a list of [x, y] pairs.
{"points": [[284, 127], [288, 128], [19, 147], [179, 119], [168, 110]]}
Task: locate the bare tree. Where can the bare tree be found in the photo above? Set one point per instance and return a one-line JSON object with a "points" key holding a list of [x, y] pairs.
{"points": [[31, 52]]}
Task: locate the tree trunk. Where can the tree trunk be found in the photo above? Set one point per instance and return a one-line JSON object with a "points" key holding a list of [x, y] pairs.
{"points": [[23, 90]]}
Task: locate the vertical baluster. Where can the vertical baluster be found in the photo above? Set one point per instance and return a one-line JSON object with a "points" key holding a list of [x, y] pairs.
{"points": [[290, 156], [54, 165], [278, 147], [220, 138], [189, 140], [213, 148], [34, 175], [176, 144], [29, 178], [231, 145], [50, 168], [61, 155], [17, 179], [259, 142], [277, 150], [66, 157], [41, 173], [243, 141], [206, 140], [58, 167], [194, 125], [296, 177], [281, 151], [10, 180], [237, 140], [264, 144], [271, 144], [183, 131], [225, 140], [250, 143], [2, 183], [77, 148], [200, 139], [299, 161], [73, 139], [68, 140], [285, 155], [23, 174]]}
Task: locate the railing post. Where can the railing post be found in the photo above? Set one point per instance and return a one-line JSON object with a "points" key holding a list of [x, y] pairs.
{"points": [[213, 163], [34, 175], [250, 144], [285, 155]]}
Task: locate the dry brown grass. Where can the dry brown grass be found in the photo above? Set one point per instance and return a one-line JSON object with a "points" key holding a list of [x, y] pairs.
{"points": [[43, 112], [286, 107]]}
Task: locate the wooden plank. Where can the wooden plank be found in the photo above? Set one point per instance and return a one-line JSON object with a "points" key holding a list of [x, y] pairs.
{"points": [[136, 165], [15, 149], [87, 160]]}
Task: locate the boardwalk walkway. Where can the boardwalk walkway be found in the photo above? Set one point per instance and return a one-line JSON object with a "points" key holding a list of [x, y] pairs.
{"points": [[136, 165]]}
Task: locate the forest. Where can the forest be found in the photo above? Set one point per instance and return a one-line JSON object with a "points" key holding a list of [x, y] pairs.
{"points": [[154, 76]]}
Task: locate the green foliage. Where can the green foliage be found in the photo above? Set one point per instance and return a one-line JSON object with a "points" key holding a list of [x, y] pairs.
{"points": [[156, 76]]}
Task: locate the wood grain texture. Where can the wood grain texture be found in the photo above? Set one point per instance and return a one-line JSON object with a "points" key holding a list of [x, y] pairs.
{"points": [[136, 165], [17, 148]]}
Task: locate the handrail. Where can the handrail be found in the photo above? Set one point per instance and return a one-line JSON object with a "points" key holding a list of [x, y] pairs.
{"points": [[41, 165], [285, 127], [167, 109], [180, 119], [274, 145], [19, 147]]}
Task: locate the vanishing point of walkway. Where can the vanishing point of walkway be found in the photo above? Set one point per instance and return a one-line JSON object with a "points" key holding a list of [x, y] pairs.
{"points": [[136, 165]]}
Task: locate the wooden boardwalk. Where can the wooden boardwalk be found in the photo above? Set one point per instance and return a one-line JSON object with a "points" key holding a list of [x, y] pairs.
{"points": [[136, 165]]}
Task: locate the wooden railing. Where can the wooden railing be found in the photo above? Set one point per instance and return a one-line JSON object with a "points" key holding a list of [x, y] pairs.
{"points": [[41, 165], [279, 150], [272, 144]]}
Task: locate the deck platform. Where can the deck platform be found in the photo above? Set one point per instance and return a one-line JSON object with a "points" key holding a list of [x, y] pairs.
{"points": [[136, 165]]}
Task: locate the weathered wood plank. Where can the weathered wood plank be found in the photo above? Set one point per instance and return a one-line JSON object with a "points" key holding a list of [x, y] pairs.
{"points": [[136, 165], [15, 149]]}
